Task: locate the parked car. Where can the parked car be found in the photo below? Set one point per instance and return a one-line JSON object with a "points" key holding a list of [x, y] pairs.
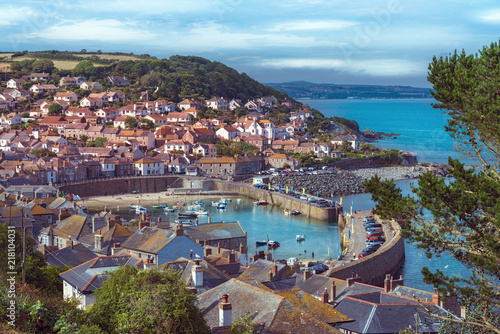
{"points": [[373, 241], [366, 218], [374, 230], [373, 225], [374, 235]]}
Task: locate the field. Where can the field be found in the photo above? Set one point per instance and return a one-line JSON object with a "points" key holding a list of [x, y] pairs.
{"points": [[60, 64], [106, 56]]}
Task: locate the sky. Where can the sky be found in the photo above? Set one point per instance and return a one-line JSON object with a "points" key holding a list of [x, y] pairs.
{"points": [[380, 42]]}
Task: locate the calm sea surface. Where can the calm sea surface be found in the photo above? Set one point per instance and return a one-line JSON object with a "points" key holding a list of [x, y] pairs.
{"points": [[421, 129]]}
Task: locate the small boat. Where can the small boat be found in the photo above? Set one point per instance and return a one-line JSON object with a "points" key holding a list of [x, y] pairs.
{"points": [[260, 202], [157, 207], [273, 244], [167, 209], [184, 222], [215, 203], [260, 243], [300, 237], [287, 212], [224, 200], [221, 207], [133, 206], [181, 204], [201, 212], [295, 212], [199, 203], [239, 200], [187, 214], [141, 209]]}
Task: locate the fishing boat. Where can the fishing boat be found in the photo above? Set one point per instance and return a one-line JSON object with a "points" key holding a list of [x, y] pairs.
{"points": [[141, 209], [157, 207], [295, 212], [300, 237], [260, 202], [260, 243], [287, 212], [273, 244], [201, 212]]}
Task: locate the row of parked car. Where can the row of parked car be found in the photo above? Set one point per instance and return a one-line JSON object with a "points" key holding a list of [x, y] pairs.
{"points": [[320, 202], [374, 236]]}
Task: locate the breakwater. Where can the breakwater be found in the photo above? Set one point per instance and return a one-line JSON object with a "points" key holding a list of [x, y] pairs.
{"points": [[389, 259]]}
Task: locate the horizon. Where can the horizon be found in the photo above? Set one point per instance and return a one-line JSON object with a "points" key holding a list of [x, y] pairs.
{"points": [[388, 43]]}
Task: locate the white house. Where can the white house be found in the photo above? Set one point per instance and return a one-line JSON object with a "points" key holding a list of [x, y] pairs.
{"points": [[90, 85], [11, 119], [149, 166], [91, 102], [177, 145], [178, 117], [15, 83], [228, 132], [217, 103], [66, 96], [350, 138]]}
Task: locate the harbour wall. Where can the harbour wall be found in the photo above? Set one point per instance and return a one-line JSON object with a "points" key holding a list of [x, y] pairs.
{"points": [[372, 269], [152, 184], [283, 200]]}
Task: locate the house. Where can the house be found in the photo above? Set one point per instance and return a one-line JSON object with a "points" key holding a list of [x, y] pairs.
{"points": [[189, 103], [161, 245], [280, 160], [230, 236], [11, 119], [37, 77], [350, 138], [72, 228], [177, 145], [228, 132], [268, 101], [103, 240], [205, 150], [15, 83], [7, 101], [200, 135], [146, 96], [17, 93], [71, 81], [288, 311], [90, 85], [80, 282], [115, 95], [285, 145], [42, 89], [179, 165], [258, 141], [149, 166], [72, 255], [119, 80], [253, 106], [178, 117], [91, 102], [157, 119], [137, 138], [234, 104], [107, 114], [77, 111], [217, 103], [66, 96], [230, 166]]}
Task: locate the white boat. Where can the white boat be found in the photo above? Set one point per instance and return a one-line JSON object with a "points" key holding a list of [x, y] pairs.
{"points": [[224, 200], [300, 237], [239, 200], [201, 212], [287, 212], [133, 206], [167, 209], [141, 209]]}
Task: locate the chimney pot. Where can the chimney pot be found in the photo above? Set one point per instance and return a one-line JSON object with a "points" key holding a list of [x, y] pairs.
{"points": [[324, 297], [225, 312]]}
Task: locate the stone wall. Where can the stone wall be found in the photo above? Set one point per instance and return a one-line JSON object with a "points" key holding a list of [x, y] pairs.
{"points": [[276, 198], [389, 259]]}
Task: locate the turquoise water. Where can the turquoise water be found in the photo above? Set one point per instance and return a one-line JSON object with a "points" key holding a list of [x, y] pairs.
{"points": [[421, 126], [262, 222]]}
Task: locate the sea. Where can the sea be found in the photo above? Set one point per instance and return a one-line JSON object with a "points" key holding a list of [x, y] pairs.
{"points": [[421, 130]]}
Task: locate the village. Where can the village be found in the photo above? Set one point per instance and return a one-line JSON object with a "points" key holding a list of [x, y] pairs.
{"points": [[105, 135]]}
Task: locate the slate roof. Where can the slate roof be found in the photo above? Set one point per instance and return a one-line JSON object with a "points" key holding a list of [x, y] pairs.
{"points": [[212, 276], [292, 311], [73, 256], [75, 227], [117, 234], [379, 312], [215, 231], [90, 275], [149, 239], [260, 269]]}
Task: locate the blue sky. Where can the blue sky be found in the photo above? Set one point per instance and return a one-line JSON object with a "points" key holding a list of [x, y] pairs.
{"points": [[387, 42]]}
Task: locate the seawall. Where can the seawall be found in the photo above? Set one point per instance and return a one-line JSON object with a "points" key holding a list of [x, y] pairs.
{"points": [[372, 269], [154, 184]]}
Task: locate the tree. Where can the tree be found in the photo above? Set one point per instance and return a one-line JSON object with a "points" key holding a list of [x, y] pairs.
{"points": [[43, 65], [85, 68], [147, 124], [84, 138], [39, 152], [131, 122], [147, 301], [100, 142], [460, 217], [55, 109]]}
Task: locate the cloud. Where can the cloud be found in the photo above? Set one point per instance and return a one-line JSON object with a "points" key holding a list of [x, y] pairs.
{"points": [[313, 25], [491, 16], [10, 16], [303, 63], [108, 30]]}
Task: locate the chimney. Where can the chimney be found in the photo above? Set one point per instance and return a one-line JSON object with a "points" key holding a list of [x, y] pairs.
{"points": [[93, 224], [149, 264], [42, 249], [334, 291], [179, 231], [218, 248], [115, 249], [307, 274], [436, 298], [387, 283], [197, 274], [208, 251], [270, 276], [231, 258], [351, 280], [396, 282], [225, 312], [98, 238], [143, 224], [275, 269], [69, 243], [324, 297]]}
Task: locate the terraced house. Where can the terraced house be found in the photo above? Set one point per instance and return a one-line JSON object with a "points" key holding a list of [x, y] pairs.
{"points": [[230, 166]]}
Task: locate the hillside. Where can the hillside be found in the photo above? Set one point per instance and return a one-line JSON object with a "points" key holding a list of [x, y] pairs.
{"points": [[309, 90], [175, 78]]}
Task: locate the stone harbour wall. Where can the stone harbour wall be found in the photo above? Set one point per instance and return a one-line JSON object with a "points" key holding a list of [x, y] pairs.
{"points": [[389, 259]]}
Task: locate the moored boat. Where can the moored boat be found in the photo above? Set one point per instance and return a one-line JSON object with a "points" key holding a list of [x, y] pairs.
{"points": [[295, 212], [187, 214], [260, 202], [273, 244], [260, 243], [287, 212], [300, 237]]}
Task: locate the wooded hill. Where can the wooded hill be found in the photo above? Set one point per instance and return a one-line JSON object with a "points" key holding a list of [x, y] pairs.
{"points": [[176, 78]]}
